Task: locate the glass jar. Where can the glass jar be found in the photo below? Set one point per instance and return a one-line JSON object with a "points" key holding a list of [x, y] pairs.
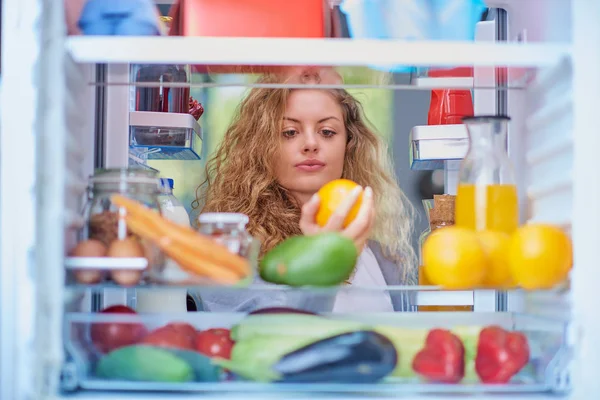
{"points": [[105, 222], [486, 197], [440, 213], [161, 97], [229, 229]]}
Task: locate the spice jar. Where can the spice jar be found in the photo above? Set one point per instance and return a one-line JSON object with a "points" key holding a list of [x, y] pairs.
{"points": [[106, 222], [229, 229], [440, 212]]}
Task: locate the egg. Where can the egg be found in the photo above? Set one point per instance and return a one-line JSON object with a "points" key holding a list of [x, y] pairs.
{"points": [[126, 277], [89, 248], [88, 276], [129, 247]]}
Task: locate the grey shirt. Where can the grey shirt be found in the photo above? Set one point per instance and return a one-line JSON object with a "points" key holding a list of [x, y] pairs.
{"points": [[264, 294]]}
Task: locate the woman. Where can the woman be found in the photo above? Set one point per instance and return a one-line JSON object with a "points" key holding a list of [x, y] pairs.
{"points": [[282, 146]]}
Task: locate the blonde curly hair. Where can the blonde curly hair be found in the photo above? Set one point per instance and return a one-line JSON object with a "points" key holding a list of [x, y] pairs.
{"points": [[240, 176]]}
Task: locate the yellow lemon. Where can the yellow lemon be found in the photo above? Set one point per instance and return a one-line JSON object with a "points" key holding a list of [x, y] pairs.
{"points": [[540, 256], [454, 258], [496, 245]]}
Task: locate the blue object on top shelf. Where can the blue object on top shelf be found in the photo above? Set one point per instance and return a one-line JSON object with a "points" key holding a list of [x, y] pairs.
{"points": [[119, 18], [167, 182], [412, 20]]}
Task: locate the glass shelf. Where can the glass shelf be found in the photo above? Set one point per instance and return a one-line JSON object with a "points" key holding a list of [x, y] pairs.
{"points": [[321, 300]]}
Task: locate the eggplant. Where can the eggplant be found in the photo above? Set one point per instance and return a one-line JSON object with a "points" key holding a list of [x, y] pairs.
{"points": [[354, 357], [280, 310]]}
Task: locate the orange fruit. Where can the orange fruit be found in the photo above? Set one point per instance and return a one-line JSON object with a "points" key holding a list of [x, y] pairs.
{"points": [[454, 258], [540, 256], [332, 194], [496, 244]]}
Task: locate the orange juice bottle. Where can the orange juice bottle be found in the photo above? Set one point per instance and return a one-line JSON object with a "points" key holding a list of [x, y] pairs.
{"points": [[486, 197], [487, 207]]}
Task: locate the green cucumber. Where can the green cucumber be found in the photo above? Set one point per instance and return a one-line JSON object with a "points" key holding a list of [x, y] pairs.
{"points": [[144, 363]]}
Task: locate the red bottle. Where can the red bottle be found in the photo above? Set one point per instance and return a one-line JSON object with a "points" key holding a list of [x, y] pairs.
{"points": [[449, 106]]}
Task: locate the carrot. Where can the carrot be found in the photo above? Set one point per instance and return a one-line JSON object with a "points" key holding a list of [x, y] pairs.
{"points": [[216, 252], [193, 263]]}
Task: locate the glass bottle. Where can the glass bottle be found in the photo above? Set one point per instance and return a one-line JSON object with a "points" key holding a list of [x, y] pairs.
{"points": [[486, 197], [167, 300]]}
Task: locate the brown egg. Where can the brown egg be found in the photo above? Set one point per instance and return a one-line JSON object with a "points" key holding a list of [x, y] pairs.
{"points": [[129, 247], [88, 276], [126, 277], [89, 248]]}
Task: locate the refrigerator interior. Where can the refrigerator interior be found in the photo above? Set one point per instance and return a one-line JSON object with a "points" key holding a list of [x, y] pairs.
{"points": [[49, 147]]}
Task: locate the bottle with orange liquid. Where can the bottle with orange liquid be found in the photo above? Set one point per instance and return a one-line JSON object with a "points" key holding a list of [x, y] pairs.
{"points": [[486, 197]]}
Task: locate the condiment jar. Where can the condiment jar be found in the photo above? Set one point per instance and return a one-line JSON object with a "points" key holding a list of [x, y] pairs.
{"points": [[104, 221], [229, 229]]}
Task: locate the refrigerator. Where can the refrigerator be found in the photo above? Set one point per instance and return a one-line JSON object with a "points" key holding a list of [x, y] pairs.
{"points": [[65, 110]]}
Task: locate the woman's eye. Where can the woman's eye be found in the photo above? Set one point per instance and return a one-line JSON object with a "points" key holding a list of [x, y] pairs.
{"points": [[289, 133], [327, 133]]}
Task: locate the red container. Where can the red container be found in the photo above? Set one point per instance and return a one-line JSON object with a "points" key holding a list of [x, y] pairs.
{"points": [[255, 18], [449, 106], [250, 18]]}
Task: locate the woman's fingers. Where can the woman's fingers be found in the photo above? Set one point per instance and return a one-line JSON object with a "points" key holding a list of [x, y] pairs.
{"points": [[336, 221], [308, 215], [362, 224]]}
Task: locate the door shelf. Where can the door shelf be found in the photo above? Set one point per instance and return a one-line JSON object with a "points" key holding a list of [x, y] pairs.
{"points": [[164, 136], [431, 145], [545, 373]]}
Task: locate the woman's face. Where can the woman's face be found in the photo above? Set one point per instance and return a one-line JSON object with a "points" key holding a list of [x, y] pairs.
{"points": [[313, 143]]}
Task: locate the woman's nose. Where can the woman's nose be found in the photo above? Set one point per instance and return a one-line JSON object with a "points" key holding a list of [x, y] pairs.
{"points": [[311, 145]]}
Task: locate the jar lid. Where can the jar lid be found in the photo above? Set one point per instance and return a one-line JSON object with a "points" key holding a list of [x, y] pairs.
{"points": [[223, 218], [130, 175]]}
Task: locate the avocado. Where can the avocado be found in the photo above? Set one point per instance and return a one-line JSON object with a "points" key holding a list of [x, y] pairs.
{"points": [[144, 363], [325, 259]]}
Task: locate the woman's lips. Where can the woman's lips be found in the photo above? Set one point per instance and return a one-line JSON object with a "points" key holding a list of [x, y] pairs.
{"points": [[311, 167]]}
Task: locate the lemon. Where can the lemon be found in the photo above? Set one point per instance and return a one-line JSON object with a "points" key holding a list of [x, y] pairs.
{"points": [[496, 245], [454, 258], [540, 256]]}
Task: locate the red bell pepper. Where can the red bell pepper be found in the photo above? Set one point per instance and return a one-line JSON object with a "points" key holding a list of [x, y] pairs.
{"points": [[500, 354], [442, 359]]}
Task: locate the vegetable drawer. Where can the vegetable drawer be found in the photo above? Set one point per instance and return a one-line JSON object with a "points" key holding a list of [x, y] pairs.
{"points": [[300, 352]]}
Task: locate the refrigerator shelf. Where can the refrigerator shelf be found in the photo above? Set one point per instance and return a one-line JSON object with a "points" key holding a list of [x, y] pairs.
{"points": [[547, 371], [320, 300]]}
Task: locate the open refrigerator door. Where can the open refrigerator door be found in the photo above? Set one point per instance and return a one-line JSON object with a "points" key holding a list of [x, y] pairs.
{"points": [[49, 349]]}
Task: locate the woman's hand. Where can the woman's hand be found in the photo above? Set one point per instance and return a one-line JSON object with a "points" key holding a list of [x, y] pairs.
{"points": [[358, 230]]}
